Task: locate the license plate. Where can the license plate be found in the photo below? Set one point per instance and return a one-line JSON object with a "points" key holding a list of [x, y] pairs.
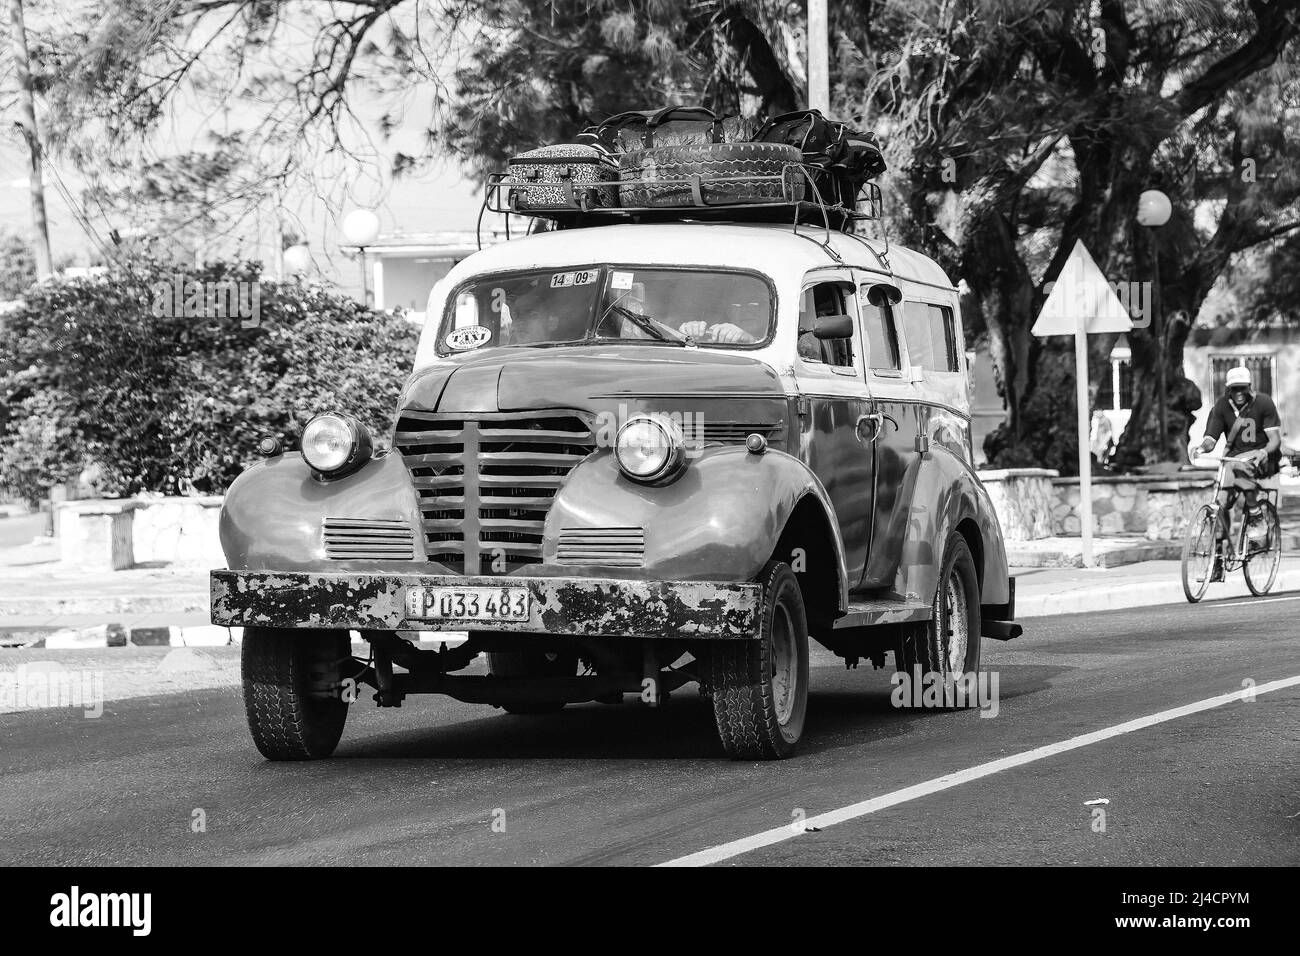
{"points": [[469, 604]]}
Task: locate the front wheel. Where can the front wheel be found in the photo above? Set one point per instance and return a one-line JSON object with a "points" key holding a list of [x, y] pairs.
{"points": [[1261, 567], [947, 645], [760, 688], [1199, 550], [293, 693]]}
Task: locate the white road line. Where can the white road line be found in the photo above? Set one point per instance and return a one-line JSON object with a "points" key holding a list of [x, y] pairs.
{"points": [[726, 851]]}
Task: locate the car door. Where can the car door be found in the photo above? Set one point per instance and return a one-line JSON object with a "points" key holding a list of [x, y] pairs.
{"points": [[832, 402], [894, 423]]}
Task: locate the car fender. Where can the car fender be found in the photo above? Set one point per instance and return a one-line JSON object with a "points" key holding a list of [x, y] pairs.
{"points": [[274, 513], [948, 493], [719, 521]]}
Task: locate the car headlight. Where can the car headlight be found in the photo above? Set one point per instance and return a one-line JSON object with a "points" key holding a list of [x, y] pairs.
{"points": [[650, 449], [335, 444]]}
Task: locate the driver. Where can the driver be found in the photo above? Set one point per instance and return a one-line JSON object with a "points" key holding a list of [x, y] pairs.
{"points": [[1254, 435], [746, 323]]}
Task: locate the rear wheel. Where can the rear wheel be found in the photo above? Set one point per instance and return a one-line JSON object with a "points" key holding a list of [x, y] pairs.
{"points": [[947, 645], [1199, 549], [759, 688], [293, 694], [540, 664], [1261, 567]]}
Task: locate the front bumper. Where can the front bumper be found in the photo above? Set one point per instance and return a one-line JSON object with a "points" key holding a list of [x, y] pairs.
{"points": [[581, 607]]}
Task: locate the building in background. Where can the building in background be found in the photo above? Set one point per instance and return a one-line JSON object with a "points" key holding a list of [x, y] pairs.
{"points": [[404, 266]]}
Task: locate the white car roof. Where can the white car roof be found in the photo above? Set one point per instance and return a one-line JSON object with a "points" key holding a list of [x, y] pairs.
{"points": [[770, 248]]}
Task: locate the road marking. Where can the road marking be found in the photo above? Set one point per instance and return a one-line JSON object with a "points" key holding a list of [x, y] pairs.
{"points": [[726, 851], [1253, 601]]}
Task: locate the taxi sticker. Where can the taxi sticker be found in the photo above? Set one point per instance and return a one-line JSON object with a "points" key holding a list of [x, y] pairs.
{"points": [[469, 337], [563, 280], [620, 280]]}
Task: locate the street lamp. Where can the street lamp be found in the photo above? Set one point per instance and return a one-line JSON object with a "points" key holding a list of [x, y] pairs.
{"points": [[297, 259], [361, 229], [1153, 211]]}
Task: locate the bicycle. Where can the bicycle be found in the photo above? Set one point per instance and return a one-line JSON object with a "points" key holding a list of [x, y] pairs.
{"points": [[1259, 564]]}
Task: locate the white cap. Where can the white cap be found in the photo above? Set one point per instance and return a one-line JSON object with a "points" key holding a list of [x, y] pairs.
{"points": [[1239, 376]]}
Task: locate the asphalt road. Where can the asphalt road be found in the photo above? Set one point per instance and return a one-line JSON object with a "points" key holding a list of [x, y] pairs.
{"points": [[448, 783]]}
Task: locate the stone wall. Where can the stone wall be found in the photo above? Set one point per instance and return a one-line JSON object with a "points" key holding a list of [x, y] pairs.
{"points": [[113, 534], [1034, 503], [1023, 499], [1156, 507]]}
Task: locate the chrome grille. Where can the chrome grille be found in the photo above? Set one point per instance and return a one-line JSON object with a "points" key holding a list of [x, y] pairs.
{"points": [[361, 538], [487, 481], [615, 547]]}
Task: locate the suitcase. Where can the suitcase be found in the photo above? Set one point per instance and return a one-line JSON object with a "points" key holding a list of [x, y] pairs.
{"points": [[728, 174], [671, 126], [565, 176]]}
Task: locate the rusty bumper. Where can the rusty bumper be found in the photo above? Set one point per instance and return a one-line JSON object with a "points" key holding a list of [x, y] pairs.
{"points": [[582, 607]]}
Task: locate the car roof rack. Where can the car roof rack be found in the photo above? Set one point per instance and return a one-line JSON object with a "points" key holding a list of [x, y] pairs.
{"points": [[577, 205]]}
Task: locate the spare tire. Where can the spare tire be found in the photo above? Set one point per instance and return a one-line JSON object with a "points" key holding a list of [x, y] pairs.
{"points": [[660, 177]]}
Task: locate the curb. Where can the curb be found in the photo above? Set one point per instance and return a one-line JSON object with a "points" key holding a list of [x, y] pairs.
{"points": [[1141, 594], [195, 602], [115, 635]]}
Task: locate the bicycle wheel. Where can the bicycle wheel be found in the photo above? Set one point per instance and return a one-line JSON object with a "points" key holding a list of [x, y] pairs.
{"points": [[1198, 553], [1261, 567]]}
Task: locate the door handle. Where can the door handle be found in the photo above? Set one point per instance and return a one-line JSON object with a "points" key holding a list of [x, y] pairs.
{"points": [[877, 420]]}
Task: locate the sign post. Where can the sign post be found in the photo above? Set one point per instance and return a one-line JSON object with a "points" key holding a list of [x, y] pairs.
{"points": [[1078, 302]]}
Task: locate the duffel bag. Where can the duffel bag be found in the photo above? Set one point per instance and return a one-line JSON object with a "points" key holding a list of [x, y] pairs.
{"points": [[671, 126], [537, 178], [806, 130], [842, 159], [730, 173]]}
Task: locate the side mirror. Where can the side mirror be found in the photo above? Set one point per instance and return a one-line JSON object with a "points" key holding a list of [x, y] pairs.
{"points": [[829, 327]]}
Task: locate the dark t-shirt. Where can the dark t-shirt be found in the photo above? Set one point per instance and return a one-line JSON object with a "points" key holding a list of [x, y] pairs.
{"points": [[1246, 431]]}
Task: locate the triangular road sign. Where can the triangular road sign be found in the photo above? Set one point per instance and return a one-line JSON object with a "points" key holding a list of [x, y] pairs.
{"points": [[1081, 290]]}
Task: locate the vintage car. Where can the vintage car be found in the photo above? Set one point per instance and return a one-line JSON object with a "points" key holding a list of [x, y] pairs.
{"points": [[629, 457]]}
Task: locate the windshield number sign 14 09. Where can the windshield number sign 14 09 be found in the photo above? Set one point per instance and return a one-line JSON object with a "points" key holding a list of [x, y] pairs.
{"points": [[562, 280]]}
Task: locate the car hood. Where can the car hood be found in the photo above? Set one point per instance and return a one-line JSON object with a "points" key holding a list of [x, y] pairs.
{"points": [[582, 376]]}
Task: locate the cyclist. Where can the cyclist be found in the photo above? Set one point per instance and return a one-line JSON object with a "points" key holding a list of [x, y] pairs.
{"points": [[1253, 432]]}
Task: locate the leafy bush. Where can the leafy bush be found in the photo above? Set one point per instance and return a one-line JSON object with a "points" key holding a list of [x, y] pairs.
{"points": [[90, 375]]}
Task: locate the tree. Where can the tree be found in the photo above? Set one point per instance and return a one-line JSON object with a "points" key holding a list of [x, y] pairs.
{"points": [[1019, 128]]}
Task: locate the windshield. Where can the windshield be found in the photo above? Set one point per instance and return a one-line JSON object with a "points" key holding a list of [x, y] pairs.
{"points": [[608, 303]]}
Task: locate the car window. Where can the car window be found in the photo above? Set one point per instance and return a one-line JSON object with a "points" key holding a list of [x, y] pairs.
{"points": [[826, 298], [603, 303], [882, 335], [931, 337]]}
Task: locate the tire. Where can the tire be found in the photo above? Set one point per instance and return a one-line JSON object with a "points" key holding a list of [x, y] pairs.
{"points": [[1199, 549], [293, 690], [949, 643], [1261, 567], [532, 664], [721, 167], [759, 688]]}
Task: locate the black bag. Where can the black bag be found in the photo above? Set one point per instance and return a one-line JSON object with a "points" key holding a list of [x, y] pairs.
{"points": [[562, 176], [842, 159], [670, 126]]}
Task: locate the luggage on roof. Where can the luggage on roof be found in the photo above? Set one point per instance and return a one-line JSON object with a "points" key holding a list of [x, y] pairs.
{"points": [[670, 126]]}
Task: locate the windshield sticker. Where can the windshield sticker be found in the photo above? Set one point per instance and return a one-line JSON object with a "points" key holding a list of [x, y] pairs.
{"points": [[562, 280], [470, 337], [620, 280]]}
